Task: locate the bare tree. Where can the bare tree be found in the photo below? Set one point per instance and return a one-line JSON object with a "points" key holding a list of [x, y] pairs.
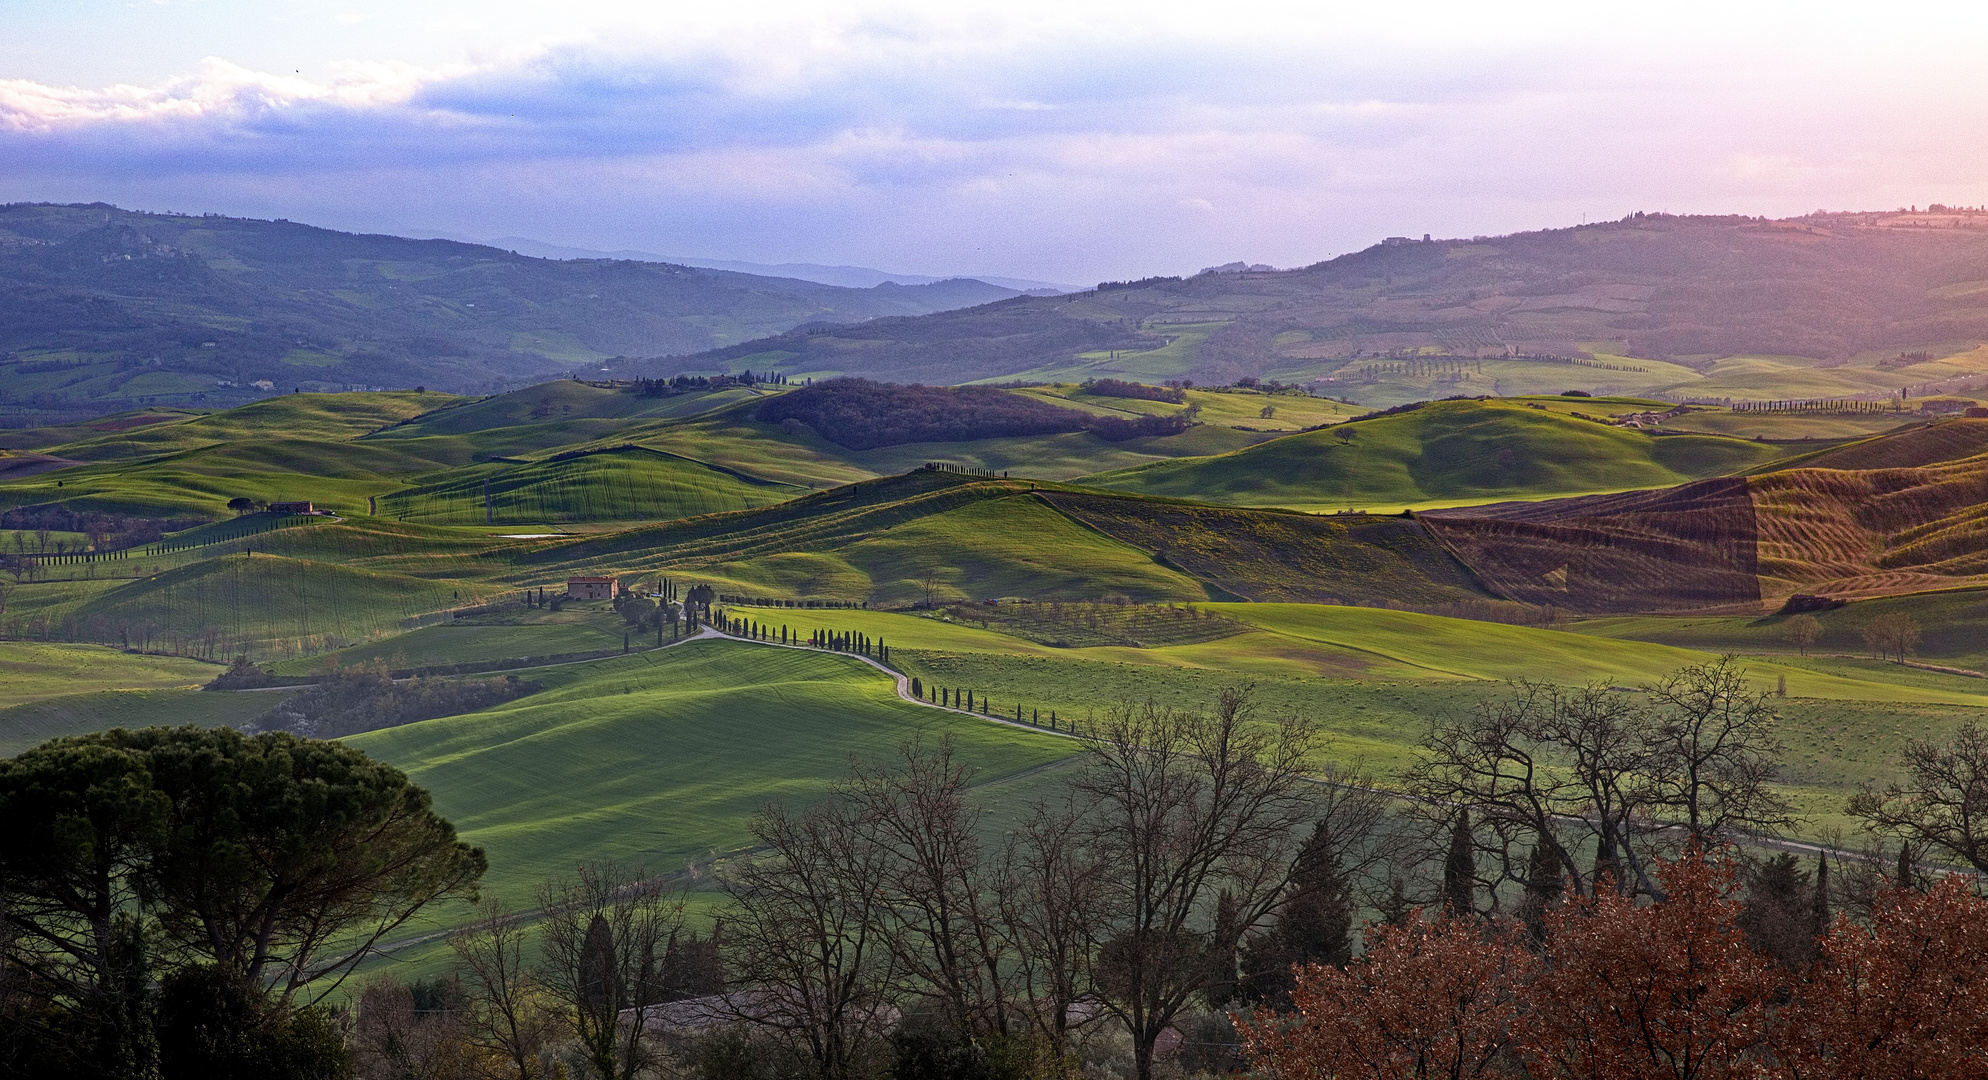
{"points": [[1532, 767], [604, 932], [1048, 884], [507, 1016], [1892, 634], [1712, 753], [1941, 805], [1179, 810], [398, 1036], [1802, 631], [807, 933], [939, 899]]}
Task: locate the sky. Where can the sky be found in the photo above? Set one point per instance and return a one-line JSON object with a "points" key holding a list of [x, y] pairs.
{"points": [[1068, 141]]}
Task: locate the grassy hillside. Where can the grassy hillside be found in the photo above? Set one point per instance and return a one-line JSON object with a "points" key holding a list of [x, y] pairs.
{"points": [[24, 726], [641, 758], [1441, 453], [320, 417], [264, 603], [1954, 624], [621, 484], [33, 671]]}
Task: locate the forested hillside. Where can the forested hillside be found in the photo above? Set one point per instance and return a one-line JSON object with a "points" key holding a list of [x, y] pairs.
{"points": [[103, 305]]}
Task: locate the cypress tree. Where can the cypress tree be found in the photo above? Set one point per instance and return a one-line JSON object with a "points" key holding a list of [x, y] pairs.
{"points": [[1460, 870], [1314, 924], [1542, 885], [1906, 878], [1819, 902]]}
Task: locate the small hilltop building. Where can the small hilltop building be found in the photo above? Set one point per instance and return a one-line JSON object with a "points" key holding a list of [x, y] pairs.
{"points": [[592, 588]]}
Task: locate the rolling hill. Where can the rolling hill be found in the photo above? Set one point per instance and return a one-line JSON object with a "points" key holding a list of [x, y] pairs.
{"points": [[1443, 453], [107, 307], [1826, 306]]}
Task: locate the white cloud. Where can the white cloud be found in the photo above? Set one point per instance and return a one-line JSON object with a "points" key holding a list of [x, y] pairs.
{"points": [[219, 89], [1045, 140]]}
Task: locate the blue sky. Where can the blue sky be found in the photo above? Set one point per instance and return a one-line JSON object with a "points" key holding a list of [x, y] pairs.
{"points": [[1061, 141]]}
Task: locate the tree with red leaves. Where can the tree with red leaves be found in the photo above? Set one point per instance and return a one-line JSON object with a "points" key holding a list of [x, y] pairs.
{"points": [[1622, 991], [1901, 999], [1664, 990], [1439, 999]]}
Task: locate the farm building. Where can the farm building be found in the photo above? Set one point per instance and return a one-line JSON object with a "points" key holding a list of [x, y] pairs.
{"points": [[292, 508], [592, 588]]}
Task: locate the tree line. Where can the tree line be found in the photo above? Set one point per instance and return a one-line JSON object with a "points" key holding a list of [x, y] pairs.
{"points": [[862, 415]]}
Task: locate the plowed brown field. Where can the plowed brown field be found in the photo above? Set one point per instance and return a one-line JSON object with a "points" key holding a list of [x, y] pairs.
{"points": [[1901, 514]]}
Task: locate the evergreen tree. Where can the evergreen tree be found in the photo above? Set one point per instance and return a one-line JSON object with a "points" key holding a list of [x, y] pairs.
{"points": [[1543, 885], [1314, 924], [1460, 869]]}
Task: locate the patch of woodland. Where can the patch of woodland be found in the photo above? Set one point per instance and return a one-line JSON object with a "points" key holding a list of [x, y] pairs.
{"points": [[860, 414], [347, 701], [32, 526]]}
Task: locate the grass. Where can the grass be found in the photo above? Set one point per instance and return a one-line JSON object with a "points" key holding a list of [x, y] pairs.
{"points": [[1954, 624], [23, 726], [266, 604], [1445, 451], [733, 440], [525, 634], [621, 484], [326, 417], [659, 758], [33, 671]]}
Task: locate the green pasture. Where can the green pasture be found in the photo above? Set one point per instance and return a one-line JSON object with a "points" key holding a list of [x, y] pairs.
{"points": [[1452, 450], [1461, 647], [337, 476], [1954, 627], [622, 484], [731, 439], [24, 726], [322, 417], [266, 605], [1245, 407], [1169, 361], [658, 758], [535, 632], [883, 541], [32, 671]]}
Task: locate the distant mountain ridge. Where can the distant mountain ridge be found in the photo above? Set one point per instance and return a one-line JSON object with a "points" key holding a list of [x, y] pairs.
{"points": [[103, 308], [849, 277], [1871, 302]]}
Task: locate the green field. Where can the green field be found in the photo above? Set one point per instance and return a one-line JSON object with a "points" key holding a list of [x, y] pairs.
{"points": [[265, 603], [1955, 629], [23, 726], [658, 758], [32, 671], [628, 484], [1445, 453], [521, 635], [1373, 643]]}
